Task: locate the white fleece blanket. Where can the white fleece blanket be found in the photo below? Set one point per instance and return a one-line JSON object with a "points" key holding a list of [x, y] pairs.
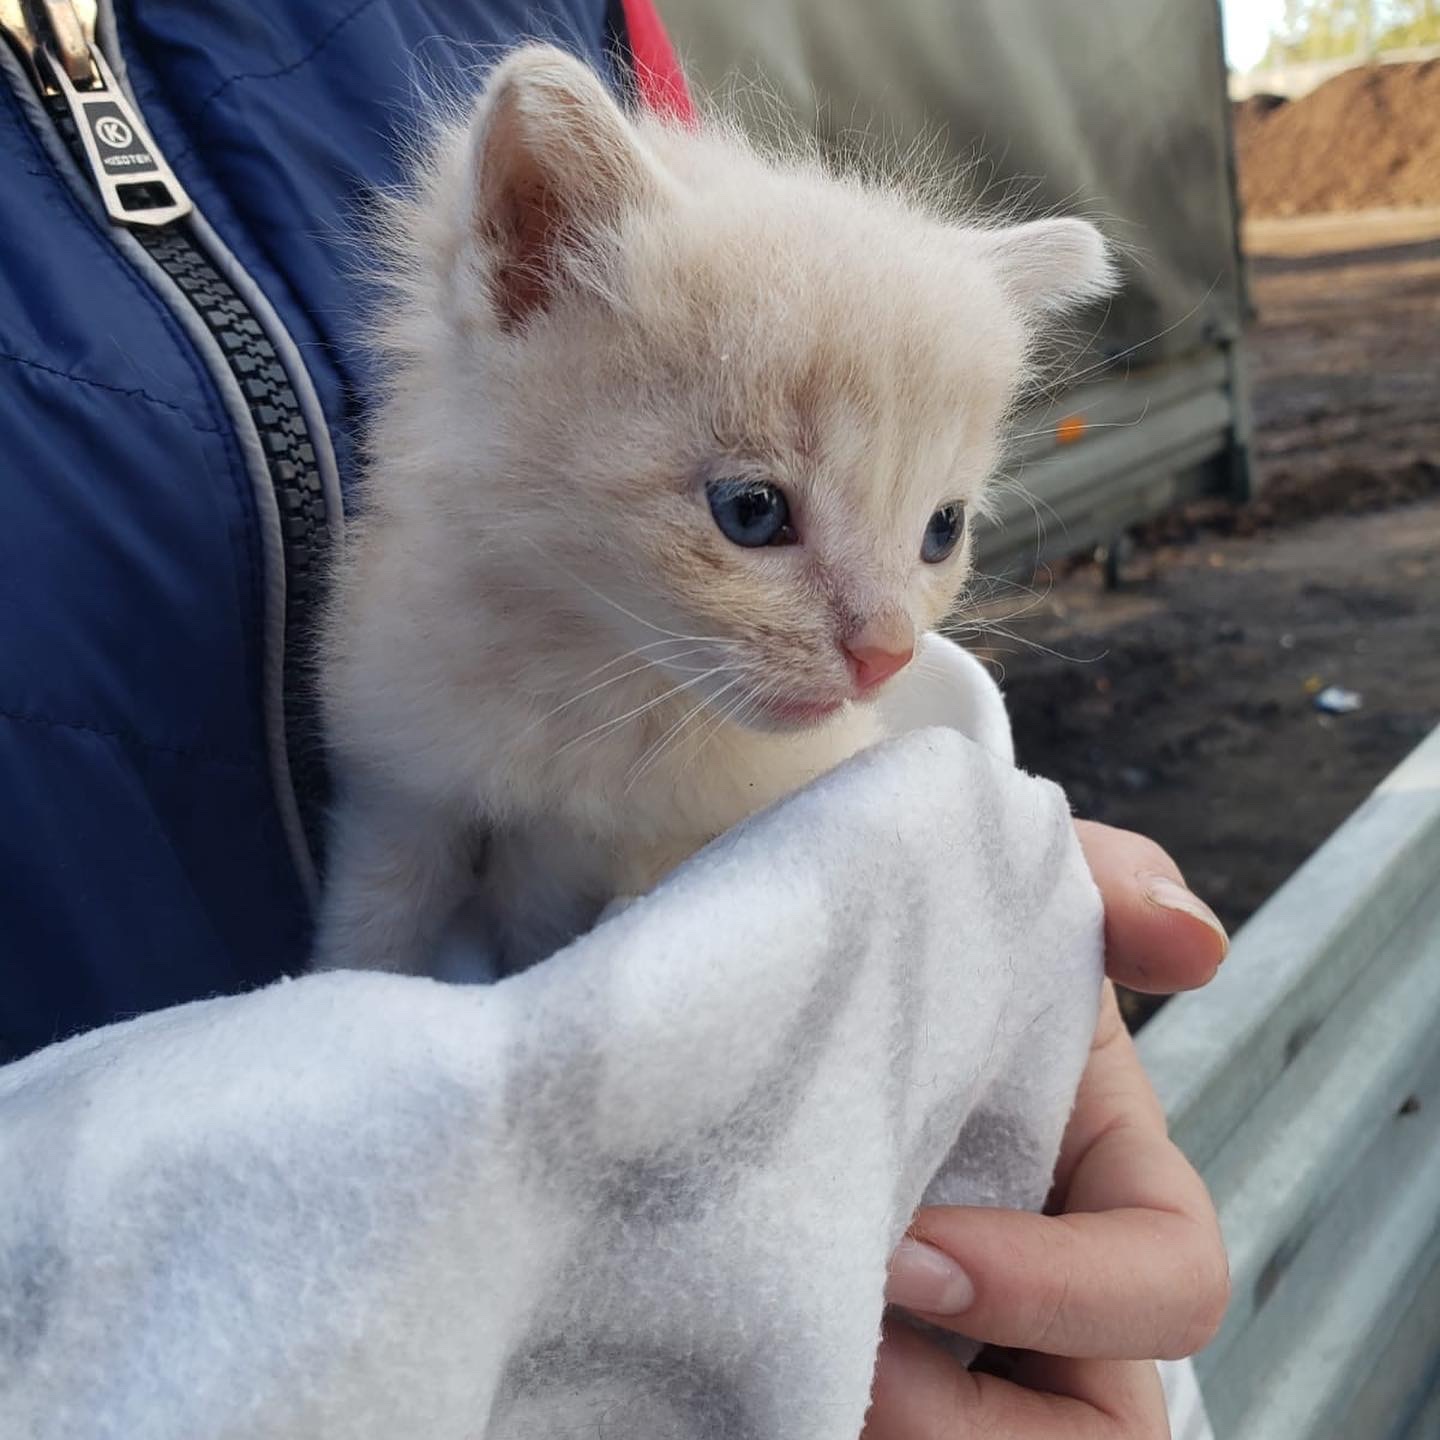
{"points": [[645, 1191]]}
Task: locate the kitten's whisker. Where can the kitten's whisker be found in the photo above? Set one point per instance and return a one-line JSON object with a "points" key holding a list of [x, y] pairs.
{"points": [[995, 582], [1036, 503], [616, 721], [1042, 649], [656, 750], [638, 650], [748, 705], [1069, 382], [648, 664], [1089, 425], [665, 664], [616, 605], [758, 700], [969, 615], [674, 733], [731, 712]]}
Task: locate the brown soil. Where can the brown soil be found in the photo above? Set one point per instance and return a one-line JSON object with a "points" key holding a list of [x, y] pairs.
{"points": [[1181, 705], [1368, 139], [1250, 114]]}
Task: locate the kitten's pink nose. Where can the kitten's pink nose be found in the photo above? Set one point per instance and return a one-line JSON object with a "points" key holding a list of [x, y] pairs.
{"points": [[878, 650]]}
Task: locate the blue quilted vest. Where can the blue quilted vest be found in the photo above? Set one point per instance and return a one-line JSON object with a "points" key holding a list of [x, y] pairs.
{"points": [[177, 430]]}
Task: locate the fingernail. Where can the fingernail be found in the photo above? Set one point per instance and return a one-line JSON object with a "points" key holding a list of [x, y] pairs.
{"points": [[1161, 890], [925, 1279]]}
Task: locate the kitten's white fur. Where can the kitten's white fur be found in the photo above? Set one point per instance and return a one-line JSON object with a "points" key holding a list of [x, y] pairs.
{"points": [[540, 640]]}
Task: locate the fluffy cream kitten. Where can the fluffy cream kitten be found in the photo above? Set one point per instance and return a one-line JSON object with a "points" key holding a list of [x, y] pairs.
{"points": [[673, 467]]}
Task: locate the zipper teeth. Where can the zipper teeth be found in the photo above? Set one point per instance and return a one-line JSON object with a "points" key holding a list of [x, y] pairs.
{"points": [[294, 473], [290, 459]]}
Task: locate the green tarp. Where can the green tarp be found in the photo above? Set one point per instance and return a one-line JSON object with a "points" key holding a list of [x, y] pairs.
{"points": [[1115, 109]]}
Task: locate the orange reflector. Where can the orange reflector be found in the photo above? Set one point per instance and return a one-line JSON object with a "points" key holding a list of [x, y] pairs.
{"points": [[1070, 429]]}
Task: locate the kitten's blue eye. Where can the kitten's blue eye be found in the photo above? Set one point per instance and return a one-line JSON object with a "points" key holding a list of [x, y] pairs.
{"points": [[943, 533], [751, 512]]}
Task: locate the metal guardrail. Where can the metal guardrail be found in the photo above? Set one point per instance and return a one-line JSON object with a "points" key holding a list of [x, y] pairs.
{"points": [[1304, 1082]]}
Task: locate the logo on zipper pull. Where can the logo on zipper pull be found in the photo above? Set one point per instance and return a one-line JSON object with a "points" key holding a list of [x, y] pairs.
{"points": [[118, 148], [112, 133]]}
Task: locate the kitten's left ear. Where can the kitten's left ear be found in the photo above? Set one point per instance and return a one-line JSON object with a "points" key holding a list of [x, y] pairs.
{"points": [[555, 164], [1051, 265]]}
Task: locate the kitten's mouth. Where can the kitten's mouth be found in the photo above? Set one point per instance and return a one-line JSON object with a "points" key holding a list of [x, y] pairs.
{"points": [[802, 712]]}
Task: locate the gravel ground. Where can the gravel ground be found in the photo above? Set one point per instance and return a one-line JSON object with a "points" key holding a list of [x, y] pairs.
{"points": [[1182, 704]]}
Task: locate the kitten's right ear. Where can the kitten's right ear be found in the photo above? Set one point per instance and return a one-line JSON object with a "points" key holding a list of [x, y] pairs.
{"points": [[1051, 265], [554, 164]]}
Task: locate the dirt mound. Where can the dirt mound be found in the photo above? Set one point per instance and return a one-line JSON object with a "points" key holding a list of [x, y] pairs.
{"points": [[1369, 138], [1249, 114]]}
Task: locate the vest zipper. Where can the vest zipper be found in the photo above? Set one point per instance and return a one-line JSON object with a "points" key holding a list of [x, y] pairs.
{"points": [[112, 145]]}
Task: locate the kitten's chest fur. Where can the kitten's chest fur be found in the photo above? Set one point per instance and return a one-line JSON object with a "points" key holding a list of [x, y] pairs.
{"points": [[652, 794], [612, 823]]}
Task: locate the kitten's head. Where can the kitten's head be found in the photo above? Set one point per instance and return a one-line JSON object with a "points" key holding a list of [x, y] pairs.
{"points": [[738, 410]]}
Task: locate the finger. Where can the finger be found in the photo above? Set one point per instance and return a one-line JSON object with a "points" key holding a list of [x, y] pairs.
{"points": [[1159, 937], [921, 1393], [1116, 1150], [1124, 1285], [1134, 1269], [1127, 1392]]}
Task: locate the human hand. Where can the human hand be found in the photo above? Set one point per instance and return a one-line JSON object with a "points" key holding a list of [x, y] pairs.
{"points": [[1159, 937], [1127, 1267]]}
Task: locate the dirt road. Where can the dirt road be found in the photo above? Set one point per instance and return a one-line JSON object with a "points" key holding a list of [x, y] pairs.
{"points": [[1186, 710]]}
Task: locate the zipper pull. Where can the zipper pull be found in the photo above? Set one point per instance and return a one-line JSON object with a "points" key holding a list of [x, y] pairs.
{"points": [[136, 184]]}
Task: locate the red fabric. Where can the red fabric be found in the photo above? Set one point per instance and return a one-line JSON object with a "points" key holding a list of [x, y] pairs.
{"points": [[657, 71]]}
